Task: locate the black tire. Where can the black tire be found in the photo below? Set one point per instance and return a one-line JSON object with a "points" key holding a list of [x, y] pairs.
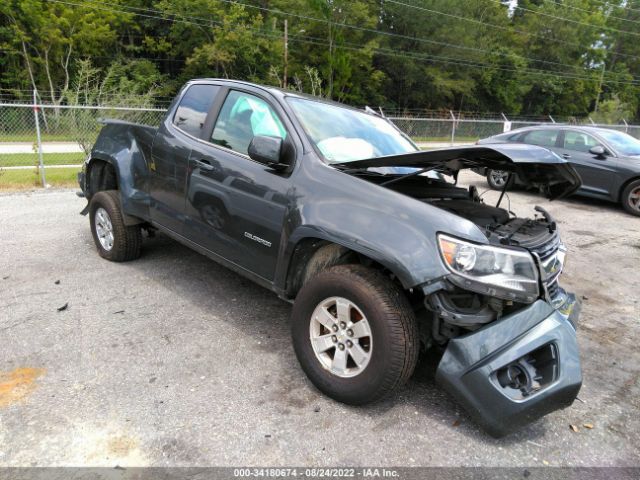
{"points": [[630, 198], [394, 333], [127, 240], [492, 179]]}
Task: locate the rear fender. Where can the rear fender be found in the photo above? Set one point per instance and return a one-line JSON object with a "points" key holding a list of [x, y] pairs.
{"points": [[127, 148]]}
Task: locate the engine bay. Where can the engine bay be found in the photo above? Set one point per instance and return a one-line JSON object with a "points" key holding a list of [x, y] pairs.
{"points": [[500, 225]]}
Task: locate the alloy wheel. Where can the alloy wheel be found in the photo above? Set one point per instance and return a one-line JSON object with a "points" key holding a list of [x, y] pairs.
{"points": [[499, 178], [634, 199], [341, 337], [104, 228]]}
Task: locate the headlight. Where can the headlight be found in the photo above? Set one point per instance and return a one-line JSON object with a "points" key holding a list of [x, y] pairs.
{"points": [[496, 271]]}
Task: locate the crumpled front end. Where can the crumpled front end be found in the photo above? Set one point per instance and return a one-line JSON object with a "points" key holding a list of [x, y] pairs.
{"points": [[518, 368]]}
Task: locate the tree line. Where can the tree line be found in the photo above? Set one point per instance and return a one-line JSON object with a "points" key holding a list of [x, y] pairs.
{"points": [[522, 57]]}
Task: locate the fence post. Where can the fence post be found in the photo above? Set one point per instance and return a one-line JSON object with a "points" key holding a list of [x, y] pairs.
{"points": [[35, 113], [453, 127], [506, 125], [626, 126]]}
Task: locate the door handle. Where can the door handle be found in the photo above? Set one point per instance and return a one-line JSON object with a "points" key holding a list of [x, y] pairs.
{"points": [[566, 155], [205, 164]]}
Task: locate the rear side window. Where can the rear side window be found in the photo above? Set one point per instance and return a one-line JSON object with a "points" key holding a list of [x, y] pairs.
{"points": [[543, 138], [194, 106], [578, 141]]}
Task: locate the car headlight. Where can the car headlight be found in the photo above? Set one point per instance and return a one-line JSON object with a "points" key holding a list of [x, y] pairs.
{"points": [[495, 271]]}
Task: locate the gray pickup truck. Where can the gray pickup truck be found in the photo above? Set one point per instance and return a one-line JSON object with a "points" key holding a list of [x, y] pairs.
{"points": [[381, 252]]}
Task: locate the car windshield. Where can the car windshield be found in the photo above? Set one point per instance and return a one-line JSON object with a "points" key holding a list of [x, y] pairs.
{"points": [[623, 143], [346, 135]]}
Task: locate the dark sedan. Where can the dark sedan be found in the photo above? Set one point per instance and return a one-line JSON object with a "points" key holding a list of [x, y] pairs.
{"points": [[607, 161]]}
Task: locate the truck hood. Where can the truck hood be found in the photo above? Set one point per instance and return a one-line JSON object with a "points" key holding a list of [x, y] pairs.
{"points": [[535, 166]]}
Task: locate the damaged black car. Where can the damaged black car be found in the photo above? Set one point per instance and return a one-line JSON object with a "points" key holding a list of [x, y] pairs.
{"points": [[382, 253]]}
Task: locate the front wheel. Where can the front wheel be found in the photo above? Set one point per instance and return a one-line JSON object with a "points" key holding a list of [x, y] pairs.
{"points": [[497, 179], [631, 198], [354, 333], [114, 240]]}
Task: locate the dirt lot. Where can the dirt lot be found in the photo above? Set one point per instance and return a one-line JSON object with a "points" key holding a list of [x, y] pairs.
{"points": [[174, 360]]}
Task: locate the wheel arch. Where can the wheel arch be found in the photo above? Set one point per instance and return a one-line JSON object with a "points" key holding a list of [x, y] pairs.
{"points": [[313, 254], [625, 185], [101, 174]]}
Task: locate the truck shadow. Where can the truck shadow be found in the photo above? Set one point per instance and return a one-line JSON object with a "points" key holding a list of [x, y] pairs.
{"points": [[252, 311]]}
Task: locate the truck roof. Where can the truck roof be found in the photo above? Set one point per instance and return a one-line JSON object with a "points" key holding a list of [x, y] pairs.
{"points": [[276, 91]]}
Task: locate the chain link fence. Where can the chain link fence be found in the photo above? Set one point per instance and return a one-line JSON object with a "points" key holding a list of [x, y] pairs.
{"points": [[66, 135], [455, 131]]}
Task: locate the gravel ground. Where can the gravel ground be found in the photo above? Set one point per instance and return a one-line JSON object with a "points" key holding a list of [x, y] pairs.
{"points": [[173, 360]]}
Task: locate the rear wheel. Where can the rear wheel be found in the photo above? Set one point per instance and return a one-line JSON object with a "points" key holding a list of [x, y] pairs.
{"points": [[114, 240], [354, 334], [631, 198], [498, 178]]}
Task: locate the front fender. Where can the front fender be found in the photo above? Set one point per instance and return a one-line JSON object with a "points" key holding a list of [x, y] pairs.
{"points": [[393, 229], [405, 242], [402, 269]]}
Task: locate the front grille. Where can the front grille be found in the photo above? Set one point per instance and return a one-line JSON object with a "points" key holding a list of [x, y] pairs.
{"points": [[551, 254], [554, 289], [547, 248]]}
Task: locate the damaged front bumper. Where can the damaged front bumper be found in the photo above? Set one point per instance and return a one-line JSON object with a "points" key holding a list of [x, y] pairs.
{"points": [[516, 369]]}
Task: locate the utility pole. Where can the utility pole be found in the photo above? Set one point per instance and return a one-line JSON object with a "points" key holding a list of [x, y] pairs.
{"points": [[286, 53], [600, 88]]}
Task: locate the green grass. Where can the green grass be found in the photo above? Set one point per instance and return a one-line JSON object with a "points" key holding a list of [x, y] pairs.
{"points": [[31, 137], [29, 159], [30, 178]]}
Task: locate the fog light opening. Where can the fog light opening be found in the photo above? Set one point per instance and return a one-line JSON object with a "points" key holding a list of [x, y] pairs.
{"points": [[520, 375], [513, 377], [530, 373]]}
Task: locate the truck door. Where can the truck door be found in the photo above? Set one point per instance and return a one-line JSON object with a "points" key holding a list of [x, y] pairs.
{"points": [[171, 151], [235, 205]]}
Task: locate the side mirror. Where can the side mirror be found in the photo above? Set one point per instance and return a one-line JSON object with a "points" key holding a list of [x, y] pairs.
{"points": [[268, 150], [598, 151]]}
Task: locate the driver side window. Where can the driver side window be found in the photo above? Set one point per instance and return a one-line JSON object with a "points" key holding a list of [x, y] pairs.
{"points": [[242, 117], [578, 141]]}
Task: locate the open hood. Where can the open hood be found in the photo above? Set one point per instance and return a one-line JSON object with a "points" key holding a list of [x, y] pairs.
{"points": [[534, 165]]}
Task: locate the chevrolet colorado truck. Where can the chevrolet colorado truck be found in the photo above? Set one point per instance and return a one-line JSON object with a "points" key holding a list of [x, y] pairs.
{"points": [[381, 252]]}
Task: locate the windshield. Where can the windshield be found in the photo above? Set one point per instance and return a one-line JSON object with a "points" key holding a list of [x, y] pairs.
{"points": [[346, 135], [623, 143]]}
